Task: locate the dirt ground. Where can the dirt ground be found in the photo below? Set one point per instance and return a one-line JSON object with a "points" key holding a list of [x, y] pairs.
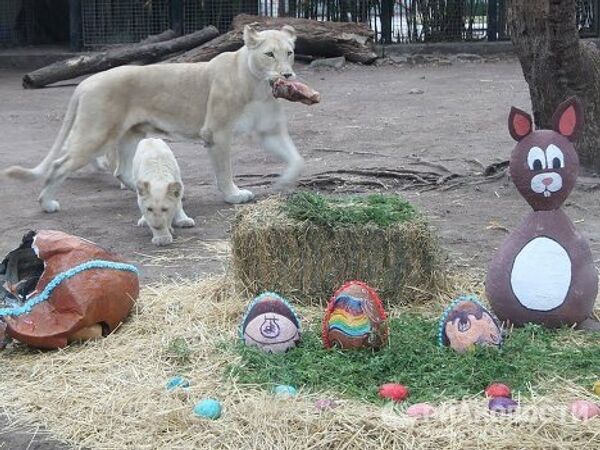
{"points": [[368, 118]]}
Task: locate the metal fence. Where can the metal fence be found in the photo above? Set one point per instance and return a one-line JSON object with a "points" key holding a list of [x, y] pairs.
{"points": [[16, 22], [105, 22], [587, 16], [410, 21], [200, 13], [433, 21], [397, 20]]}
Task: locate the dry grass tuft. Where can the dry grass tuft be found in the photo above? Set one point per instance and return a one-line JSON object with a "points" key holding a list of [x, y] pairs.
{"points": [[110, 394], [188, 251]]}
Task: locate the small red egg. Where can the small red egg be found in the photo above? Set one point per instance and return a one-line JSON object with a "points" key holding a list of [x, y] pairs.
{"points": [[584, 409], [495, 390], [393, 391]]}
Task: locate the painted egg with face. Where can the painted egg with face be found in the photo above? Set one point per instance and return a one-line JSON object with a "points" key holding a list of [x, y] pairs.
{"points": [[271, 324], [355, 318], [466, 323]]}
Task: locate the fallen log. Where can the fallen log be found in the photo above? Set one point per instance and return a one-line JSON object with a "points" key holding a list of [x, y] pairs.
{"points": [[318, 39], [228, 42], [162, 37], [86, 64], [152, 39], [324, 39]]}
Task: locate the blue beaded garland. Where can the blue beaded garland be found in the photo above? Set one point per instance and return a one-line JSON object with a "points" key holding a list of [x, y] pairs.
{"points": [[61, 277]]}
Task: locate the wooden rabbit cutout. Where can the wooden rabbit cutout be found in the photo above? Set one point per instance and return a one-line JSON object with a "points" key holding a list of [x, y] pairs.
{"points": [[544, 271]]}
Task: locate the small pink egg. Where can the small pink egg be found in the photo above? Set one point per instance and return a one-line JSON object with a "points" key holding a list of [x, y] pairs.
{"points": [[584, 409], [324, 404], [420, 410]]}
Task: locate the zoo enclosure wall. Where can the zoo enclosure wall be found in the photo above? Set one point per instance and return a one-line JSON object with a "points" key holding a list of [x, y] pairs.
{"points": [[97, 23]]}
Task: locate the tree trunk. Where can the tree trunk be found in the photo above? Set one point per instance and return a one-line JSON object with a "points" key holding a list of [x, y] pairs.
{"points": [[86, 64], [556, 65]]}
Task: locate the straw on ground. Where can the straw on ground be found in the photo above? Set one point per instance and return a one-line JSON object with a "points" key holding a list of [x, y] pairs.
{"points": [[111, 393]]}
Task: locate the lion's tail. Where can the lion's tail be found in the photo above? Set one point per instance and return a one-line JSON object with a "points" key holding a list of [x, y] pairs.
{"points": [[39, 171]]}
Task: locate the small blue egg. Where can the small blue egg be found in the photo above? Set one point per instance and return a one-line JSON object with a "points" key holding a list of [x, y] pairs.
{"points": [[177, 382], [284, 389], [208, 408]]}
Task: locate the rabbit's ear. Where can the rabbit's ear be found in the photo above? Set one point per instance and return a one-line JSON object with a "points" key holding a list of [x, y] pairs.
{"points": [[519, 124], [568, 118]]}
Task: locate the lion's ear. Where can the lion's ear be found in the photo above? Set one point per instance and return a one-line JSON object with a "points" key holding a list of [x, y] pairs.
{"points": [[175, 189], [143, 188], [251, 36], [290, 31]]}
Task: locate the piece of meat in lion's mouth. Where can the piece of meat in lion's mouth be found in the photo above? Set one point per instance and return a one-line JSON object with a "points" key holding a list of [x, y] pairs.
{"points": [[295, 91]]}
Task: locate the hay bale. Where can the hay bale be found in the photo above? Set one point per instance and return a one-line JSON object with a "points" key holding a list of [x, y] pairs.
{"points": [[307, 245]]}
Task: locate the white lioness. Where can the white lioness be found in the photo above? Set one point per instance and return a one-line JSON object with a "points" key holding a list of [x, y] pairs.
{"points": [[117, 108], [157, 179]]}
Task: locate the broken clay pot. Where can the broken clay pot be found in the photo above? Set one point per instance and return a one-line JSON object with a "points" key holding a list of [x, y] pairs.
{"points": [[58, 288]]}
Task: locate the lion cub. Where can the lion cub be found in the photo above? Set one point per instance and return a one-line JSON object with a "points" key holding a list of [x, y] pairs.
{"points": [[159, 189]]}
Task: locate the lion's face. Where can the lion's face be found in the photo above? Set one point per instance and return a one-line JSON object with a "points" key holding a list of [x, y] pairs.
{"points": [[271, 52], [158, 202]]}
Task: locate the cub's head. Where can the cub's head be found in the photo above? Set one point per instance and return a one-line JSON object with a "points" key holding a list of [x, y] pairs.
{"points": [[544, 164], [271, 52], [158, 202]]}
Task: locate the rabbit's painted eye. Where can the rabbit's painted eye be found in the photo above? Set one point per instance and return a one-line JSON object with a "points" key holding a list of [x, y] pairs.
{"points": [[536, 159], [555, 157]]}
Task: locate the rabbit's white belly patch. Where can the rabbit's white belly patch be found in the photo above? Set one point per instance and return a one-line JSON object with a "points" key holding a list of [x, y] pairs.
{"points": [[541, 274]]}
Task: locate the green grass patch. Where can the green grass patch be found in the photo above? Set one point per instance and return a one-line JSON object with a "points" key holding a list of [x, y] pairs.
{"points": [[529, 355], [331, 211]]}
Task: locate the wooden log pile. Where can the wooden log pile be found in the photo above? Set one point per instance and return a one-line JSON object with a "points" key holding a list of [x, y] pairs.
{"points": [[314, 40]]}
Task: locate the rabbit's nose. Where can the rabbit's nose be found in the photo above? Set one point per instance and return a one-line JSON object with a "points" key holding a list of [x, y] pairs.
{"points": [[547, 181]]}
